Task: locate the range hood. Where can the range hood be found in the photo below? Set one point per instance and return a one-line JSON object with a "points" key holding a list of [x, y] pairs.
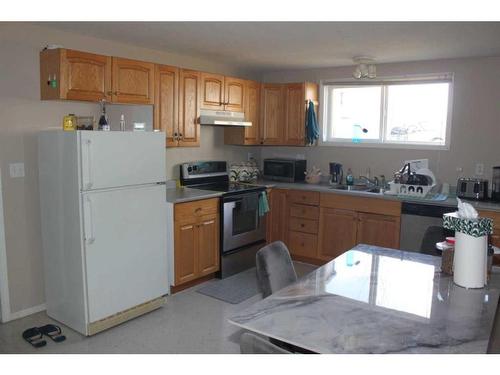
{"points": [[223, 118]]}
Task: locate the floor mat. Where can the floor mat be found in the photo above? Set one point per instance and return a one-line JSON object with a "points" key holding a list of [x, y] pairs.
{"points": [[242, 286], [234, 289]]}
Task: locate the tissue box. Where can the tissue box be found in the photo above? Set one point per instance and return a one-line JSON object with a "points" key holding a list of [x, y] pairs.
{"points": [[479, 227]]}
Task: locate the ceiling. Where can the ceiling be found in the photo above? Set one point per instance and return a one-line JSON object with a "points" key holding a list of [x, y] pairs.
{"points": [[268, 46]]}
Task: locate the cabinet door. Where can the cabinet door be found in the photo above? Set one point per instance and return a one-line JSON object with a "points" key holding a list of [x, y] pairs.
{"points": [[133, 81], [85, 76], [295, 114], [212, 91], [189, 108], [234, 94], [208, 245], [252, 113], [166, 109], [276, 221], [379, 230], [272, 114], [185, 250], [337, 232]]}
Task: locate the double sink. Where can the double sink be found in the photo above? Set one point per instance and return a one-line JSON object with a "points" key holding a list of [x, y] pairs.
{"points": [[359, 188]]}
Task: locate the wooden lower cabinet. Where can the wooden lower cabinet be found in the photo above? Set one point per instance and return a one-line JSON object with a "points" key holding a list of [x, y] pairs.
{"points": [[185, 250], [337, 232], [208, 246], [196, 240], [277, 217], [494, 238], [378, 230]]}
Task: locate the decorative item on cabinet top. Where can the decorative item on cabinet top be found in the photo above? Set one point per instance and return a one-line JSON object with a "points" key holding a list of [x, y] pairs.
{"points": [[244, 172]]}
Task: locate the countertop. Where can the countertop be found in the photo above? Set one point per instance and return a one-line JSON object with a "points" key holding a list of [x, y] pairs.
{"points": [[184, 194], [377, 300]]}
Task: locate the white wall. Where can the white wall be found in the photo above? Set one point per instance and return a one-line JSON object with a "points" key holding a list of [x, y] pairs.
{"points": [[475, 123], [22, 115]]}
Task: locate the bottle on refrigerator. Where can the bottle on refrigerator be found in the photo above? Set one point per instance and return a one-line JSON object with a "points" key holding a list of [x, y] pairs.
{"points": [[103, 120]]}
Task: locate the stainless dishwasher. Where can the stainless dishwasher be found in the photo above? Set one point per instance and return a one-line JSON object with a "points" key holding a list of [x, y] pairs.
{"points": [[422, 227]]}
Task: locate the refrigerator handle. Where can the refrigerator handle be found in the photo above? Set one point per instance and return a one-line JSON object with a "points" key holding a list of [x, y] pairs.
{"points": [[88, 143], [89, 227]]}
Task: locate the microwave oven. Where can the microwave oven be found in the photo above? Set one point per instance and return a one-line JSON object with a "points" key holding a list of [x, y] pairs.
{"points": [[286, 170]]}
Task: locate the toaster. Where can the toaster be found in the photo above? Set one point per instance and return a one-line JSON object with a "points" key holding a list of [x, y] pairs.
{"points": [[472, 188]]}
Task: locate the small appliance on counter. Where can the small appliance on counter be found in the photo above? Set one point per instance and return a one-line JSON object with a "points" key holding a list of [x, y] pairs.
{"points": [[495, 185], [285, 170], [336, 174], [472, 188]]}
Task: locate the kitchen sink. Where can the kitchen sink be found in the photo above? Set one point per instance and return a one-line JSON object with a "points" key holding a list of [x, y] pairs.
{"points": [[358, 188]]}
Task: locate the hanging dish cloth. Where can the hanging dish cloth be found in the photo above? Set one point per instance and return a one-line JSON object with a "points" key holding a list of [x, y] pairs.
{"points": [[263, 204], [312, 129]]}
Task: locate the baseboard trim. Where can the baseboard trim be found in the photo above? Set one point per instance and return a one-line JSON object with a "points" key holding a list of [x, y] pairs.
{"points": [[27, 312]]}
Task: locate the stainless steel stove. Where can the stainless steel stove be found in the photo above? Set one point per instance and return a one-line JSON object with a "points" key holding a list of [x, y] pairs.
{"points": [[243, 231]]}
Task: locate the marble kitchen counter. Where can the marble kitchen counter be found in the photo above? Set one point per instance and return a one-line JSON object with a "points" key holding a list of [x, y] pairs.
{"points": [[376, 300], [326, 188], [185, 194]]}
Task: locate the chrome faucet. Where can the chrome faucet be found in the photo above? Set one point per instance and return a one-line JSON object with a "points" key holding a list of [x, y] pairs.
{"points": [[368, 182]]}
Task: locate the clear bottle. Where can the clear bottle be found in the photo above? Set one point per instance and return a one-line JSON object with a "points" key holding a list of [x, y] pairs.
{"points": [[103, 120], [122, 122], [349, 179]]}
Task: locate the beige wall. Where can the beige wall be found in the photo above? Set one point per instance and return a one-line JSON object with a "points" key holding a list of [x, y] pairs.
{"points": [[475, 123], [22, 115]]}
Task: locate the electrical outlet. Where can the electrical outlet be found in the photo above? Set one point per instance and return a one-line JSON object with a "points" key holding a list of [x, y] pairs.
{"points": [[250, 156], [479, 169], [16, 170]]}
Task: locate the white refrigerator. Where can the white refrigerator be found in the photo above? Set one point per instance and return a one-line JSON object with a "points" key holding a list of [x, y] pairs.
{"points": [[104, 226]]}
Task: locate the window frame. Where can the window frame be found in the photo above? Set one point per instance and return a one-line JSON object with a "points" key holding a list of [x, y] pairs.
{"points": [[325, 113]]}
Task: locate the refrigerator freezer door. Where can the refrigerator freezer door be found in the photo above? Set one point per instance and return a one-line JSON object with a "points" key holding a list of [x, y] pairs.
{"points": [[125, 248], [114, 159]]}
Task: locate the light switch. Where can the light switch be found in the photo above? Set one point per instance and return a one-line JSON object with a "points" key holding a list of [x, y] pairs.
{"points": [[16, 170]]}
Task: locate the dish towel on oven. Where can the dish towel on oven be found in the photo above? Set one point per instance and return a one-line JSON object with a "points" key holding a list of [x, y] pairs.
{"points": [[312, 129], [263, 204]]}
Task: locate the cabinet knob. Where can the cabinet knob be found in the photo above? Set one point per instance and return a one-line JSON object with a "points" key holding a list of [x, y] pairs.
{"points": [[198, 209], [302, 225], [109, 93]]}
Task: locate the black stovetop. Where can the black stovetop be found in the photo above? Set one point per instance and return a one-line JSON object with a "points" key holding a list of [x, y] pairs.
{"points": [[229, 187]]}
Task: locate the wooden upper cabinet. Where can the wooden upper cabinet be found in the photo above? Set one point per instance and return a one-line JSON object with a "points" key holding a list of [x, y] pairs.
{"points": [[166, 109], [378, 230], [189, 107], [295, 114], [212, 91], [133, 81], [337, 232], [234, 94], [78, 75], [252, 113], [272, 101], [249, 135]]}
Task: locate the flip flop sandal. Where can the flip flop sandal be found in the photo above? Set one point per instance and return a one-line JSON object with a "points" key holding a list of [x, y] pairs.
{"points": [[34, 337], [53, 332]]}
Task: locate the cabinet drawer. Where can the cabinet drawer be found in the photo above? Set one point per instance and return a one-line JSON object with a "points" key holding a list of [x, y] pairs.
{"points": [[304, 197], [304, 211], [303, 244], [196, 208], [303, 225]]}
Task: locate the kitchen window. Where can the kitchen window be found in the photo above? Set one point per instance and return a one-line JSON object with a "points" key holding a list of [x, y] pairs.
{"points": [[399, 113]]}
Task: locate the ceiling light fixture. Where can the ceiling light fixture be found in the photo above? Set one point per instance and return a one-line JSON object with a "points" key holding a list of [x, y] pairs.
{"points": [[365, 68]]}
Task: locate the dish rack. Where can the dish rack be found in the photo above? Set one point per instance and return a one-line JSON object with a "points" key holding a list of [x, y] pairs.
{"points": [[411, 190]]}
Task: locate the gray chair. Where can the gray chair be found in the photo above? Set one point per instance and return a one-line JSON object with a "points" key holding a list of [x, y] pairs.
{"points": [[274, 268], [253, 344]]}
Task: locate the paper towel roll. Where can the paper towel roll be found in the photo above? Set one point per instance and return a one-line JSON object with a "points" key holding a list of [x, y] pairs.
{"points": [[470, 259]]}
